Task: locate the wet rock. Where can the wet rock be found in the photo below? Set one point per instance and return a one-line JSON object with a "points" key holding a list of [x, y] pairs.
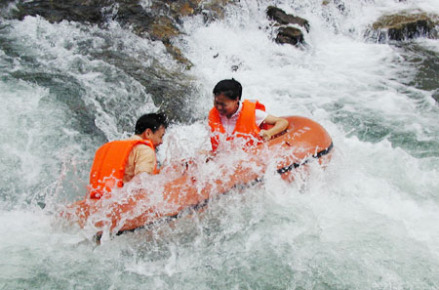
{"points": [[56, 11], [61, 86], [405, 25], [426, 62], [158, 20], [214, 10], [172, 91], [283, 18], [435, 95], [290, 35], [286, 33]]}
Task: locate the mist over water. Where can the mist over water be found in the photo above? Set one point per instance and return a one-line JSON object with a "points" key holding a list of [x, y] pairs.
{"points": [[369, 221]]}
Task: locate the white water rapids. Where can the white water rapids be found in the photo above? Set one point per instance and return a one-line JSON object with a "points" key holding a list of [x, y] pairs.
{"points": [[369, 221]]}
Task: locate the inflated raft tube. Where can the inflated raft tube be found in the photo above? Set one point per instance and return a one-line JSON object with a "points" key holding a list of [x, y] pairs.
{"points": [[303, 141]]}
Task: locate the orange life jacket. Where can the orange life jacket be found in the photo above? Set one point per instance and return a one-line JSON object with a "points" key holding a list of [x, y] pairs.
{"points": [[109, 165], [245, 125]]}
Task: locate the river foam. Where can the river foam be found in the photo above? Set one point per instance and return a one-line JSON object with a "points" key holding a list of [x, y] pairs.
{"points": [[369, 221]]}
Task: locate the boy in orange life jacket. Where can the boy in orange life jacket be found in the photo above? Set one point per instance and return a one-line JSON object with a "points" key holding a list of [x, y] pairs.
{"points": [[142, 158], [244, 119], [119, 161]]}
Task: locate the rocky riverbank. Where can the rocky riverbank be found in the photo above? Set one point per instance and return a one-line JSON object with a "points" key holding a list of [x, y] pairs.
{"points": [[162, 21]]}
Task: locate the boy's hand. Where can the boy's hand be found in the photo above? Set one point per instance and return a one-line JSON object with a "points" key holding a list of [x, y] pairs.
{"points": [[265, 135]]}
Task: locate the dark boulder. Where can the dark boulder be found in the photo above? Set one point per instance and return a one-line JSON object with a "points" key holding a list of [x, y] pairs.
{"points": [[290, 35], [405, 25], [56, 11], [287, 33], [283, 18]]}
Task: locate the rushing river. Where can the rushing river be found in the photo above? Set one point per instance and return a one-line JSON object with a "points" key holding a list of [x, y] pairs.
{"points": [[369, 221]]}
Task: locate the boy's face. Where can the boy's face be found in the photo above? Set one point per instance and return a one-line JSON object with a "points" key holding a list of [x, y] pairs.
{"points": [[156, 137], [225, 106]]}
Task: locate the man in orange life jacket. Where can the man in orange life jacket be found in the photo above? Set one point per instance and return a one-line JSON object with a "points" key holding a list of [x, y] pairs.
{"points": [[234, 118], [117, 162]]}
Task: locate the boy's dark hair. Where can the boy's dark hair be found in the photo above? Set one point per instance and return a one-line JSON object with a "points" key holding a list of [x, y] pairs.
{"points": [[151, 121], [229, 88]]}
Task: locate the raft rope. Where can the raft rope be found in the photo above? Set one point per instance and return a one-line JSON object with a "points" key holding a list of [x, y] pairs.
{"points": [[295, 165]]}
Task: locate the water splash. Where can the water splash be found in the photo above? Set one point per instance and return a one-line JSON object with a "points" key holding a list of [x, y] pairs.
{"points": [[367, 221]]}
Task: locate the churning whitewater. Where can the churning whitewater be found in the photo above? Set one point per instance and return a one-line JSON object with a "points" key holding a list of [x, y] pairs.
{"points": [[369, 221]]}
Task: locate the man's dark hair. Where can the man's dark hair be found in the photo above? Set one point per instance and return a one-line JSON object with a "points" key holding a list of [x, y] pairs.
{"points": [[229, 88], [151, 121]]}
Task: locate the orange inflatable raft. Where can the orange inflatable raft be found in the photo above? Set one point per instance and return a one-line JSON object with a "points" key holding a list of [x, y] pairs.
{"points": [[123, 210]]}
